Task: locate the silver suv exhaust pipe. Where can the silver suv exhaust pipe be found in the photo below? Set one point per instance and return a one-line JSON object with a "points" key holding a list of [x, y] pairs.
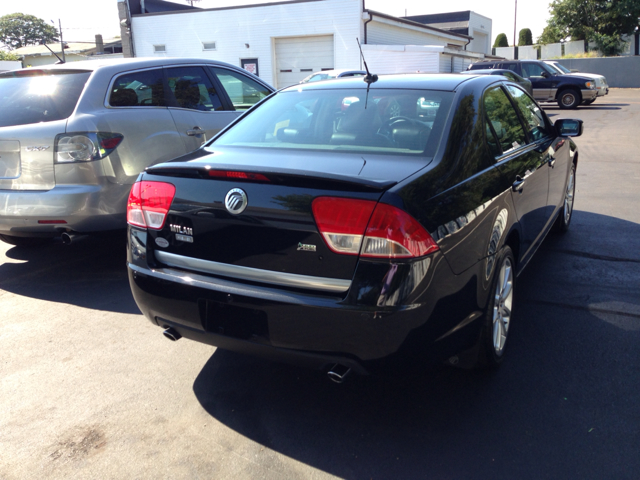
{"points": [[69, 238], [172, 334], [337, 373]]}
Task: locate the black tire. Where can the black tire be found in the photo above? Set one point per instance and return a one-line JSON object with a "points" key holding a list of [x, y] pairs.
{"points": [[569, 99], [565, 214], [499, 312], [24, 241], [588, 102]]}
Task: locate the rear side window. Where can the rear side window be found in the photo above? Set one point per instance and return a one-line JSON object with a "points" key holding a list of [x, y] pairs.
{"points": [[35, 96], [193, 89], [504, 129], [531, 113], [138, 89], [243, 91]]}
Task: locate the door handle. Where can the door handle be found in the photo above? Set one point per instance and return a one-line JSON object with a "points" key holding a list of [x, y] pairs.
{"points": [[195, 131], [518, 185], [552, 161]]}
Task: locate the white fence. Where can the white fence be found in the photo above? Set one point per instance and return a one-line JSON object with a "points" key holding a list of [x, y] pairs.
{"points": [[528, 53], [506, 52]]}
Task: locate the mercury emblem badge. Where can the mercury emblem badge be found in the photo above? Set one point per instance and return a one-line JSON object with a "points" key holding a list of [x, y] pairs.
{"points": [[235, 201]]}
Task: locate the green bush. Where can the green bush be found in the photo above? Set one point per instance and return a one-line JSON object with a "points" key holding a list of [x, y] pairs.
{"points": [[501, 41], [8, 56], [525, 37]]}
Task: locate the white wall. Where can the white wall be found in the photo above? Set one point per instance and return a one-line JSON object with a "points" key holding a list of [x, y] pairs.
{"points": [[528, 52], [552, 50], [386, 32], [480, 28], [257, 26], [385, 59], [6, 65], [506, 52], [574, 48]]}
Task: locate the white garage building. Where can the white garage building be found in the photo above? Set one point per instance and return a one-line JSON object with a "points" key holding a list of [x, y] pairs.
{"points": [[285, 42]]}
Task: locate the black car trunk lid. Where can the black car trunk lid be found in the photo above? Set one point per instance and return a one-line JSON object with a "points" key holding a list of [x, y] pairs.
{"points": [[272, 237]]}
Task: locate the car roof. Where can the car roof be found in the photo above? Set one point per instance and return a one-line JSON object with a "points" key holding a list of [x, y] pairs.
{"points": [[127, 63], [424, 81]]}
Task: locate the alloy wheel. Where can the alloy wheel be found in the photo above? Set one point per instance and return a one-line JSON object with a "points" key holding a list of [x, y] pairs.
{"points": [[568, 196], [502, 306]]}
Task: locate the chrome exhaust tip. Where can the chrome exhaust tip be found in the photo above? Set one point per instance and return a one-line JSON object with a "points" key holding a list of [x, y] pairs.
{"points": [[172, 334], [337, 373]]}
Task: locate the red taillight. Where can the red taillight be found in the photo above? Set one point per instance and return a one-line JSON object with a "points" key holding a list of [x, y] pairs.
{"points": [[149, 203], [110, 143], [342, 222], [394, 233], [352, 226], [258, 177]]}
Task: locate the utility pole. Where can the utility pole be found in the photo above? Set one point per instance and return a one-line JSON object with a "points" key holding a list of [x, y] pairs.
{"points": [[515, 17], [62, 43]]}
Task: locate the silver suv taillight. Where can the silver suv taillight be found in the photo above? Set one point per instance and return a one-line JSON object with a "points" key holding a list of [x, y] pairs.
{"points": [[85, 146]]}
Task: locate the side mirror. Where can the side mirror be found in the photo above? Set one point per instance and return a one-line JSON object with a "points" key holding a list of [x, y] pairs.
{"points": [[568, 127], [544, 74]]}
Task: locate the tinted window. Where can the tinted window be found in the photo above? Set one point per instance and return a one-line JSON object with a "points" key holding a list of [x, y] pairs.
{"points": [[243, 91], [193, 89], [534, 70], [399, 121], [531, 113], [510, 66], [39, 95], [138, 89], [503, 122]]}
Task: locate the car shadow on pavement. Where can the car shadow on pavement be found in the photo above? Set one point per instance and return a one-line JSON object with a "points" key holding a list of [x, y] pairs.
{"points": [[563, 405], [89, 273]]}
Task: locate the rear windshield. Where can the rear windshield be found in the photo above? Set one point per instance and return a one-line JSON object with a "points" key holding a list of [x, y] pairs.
{"points": [[36, 96], [384, 121]]}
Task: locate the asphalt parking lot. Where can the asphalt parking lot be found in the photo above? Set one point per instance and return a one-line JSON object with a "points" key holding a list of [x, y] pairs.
{"points": [[90, 389]]}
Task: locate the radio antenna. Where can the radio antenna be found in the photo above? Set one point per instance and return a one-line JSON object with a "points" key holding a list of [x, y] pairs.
{"points": [[368, 78]]}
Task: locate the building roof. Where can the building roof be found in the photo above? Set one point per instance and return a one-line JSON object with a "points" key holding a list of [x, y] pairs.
{"points": [[157, 6], [448, 17], [408, 21], [187, 9], [83, 48]]}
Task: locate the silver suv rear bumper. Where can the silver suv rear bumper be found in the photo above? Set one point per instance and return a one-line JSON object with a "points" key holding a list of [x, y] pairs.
{"points": [[84, 208]]}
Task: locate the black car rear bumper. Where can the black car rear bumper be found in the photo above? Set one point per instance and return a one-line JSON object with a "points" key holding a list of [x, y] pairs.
{"points": [[391, 311]]}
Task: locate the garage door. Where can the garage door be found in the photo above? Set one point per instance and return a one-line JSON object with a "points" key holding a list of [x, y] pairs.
{"points": [[299, 57]]}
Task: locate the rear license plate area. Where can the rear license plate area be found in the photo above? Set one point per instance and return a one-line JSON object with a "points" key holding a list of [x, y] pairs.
{"points": [[233, 321], [9, 159]]}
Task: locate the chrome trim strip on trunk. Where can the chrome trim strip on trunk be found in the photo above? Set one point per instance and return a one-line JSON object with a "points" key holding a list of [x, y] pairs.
{"points": [[270, 294], [333, 285]]}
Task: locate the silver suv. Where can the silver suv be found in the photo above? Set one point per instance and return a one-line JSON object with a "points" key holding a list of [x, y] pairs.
{"points": [[74, 137]]}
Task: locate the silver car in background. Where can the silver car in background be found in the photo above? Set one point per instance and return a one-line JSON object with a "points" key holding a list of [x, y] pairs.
{"points": [[333, 74], [602, 86], [74, 137]]}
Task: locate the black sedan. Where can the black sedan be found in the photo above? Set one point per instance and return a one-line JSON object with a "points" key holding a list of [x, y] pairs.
{"points": [[346, 225]]}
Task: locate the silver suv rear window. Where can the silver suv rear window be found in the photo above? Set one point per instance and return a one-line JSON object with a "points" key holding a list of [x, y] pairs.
{"points": [[35, 96]]}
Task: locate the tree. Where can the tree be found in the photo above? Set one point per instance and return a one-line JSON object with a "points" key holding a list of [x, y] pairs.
{"points": [[602, 21], [8, 56], [525, 37], [501, 41], [19, 30]]}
